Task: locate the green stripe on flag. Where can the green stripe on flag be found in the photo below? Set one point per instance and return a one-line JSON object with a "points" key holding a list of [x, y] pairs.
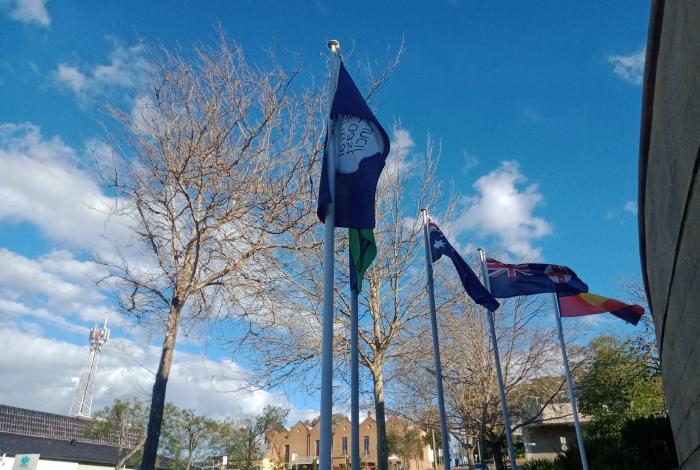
{"points": [[363, 250]]}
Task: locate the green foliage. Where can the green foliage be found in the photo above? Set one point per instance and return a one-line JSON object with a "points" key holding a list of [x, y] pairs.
{"points": [[621, 383], [428, 439], [652, 438], [644, 444], [187, 434], [406, 443], [127, 421], [539, 464], [602, 454], [242, 441]]}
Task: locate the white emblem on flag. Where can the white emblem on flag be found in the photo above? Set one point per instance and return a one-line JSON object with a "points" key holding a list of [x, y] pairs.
{"points": [[357, 140]]}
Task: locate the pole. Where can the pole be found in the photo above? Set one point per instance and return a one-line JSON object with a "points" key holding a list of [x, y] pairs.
{"points": [[354, 381], [326, 437], [435, 452], [436, 346], [570, 383], [499, 375]]}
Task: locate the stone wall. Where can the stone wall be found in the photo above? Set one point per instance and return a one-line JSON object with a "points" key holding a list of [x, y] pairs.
{"points": [[670, 211]]}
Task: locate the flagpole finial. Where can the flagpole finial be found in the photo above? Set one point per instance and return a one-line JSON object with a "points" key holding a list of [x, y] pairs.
{"points": [[334, 45]]}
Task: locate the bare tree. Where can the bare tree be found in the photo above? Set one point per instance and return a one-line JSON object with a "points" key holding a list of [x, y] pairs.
{"points": [[215, 166], [529, 360], [392, 301]]}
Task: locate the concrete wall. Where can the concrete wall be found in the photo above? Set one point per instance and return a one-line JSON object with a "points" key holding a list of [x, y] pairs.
{"points": [[547, 440], [670, 216]]}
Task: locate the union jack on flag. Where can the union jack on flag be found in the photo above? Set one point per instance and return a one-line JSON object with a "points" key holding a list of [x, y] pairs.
{"points": [[510, 280], [496, 268]]}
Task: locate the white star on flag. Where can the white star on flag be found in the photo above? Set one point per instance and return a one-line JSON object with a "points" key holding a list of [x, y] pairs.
{"points": [[438, 244]]}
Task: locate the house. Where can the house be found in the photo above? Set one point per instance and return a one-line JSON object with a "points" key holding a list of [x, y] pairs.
{"points": [[552, 432], [59, 440], [299, 446]]}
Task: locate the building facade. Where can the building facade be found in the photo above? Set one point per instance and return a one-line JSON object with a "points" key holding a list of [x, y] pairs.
{"points": [[552, 432], [59, 440], [669, 210], [299, 446]]}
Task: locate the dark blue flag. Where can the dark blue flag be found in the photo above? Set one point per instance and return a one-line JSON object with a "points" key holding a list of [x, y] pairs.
{"points": [[362, 147], [440, 246], [510, 280]]}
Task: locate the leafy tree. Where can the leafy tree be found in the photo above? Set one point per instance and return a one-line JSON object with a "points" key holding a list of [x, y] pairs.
{"points": [[242, 442], [183, 430], [620, 383], [126, 420], [406, 443]]}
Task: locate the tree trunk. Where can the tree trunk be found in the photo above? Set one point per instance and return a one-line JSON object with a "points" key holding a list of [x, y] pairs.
{"points": [[122, 461], [382, 454], [117, 465], [155, 418], [497, 453]]}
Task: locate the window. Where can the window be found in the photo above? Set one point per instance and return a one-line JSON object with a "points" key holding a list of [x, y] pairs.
{"points": [[286, 453], [317, 446], [366, 444], [344, 445]]}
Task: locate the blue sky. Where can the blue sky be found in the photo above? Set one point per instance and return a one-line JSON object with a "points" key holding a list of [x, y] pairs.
{"points": [[536, 106]]}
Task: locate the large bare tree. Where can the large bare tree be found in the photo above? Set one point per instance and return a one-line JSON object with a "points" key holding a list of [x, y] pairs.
{"points": [[392, 302], [530, 362], [213, 173]]}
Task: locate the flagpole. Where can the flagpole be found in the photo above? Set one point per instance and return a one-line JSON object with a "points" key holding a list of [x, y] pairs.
{"points": [[436, 346], [499, 375], [326, 437], [354, 377], [570, 384]]}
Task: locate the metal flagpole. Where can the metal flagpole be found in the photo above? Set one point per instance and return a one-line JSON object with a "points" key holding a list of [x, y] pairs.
{"points": [[326, 438], [499, 375], [354, 379], [570, 383], [436, 346]]}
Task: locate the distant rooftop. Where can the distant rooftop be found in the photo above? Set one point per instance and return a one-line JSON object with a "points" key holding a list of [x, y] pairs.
{"points": [[24, 422]]}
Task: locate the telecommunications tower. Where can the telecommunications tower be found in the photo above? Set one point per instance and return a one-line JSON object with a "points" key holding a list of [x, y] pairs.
{"points": [[82, 400]]}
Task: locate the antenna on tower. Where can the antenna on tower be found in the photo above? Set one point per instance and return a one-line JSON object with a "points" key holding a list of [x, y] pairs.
{"points": [[82, 400]]}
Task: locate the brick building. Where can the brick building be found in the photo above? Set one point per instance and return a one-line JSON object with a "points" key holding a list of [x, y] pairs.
{"points": [[299, 446]]}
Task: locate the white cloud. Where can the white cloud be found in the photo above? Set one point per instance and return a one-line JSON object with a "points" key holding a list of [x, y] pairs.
{"points": [[213, 388], [30, 11], [630, 207], [71, 77], [630, 67], [503, 209], [126, 68], [42, 184], [399, 155], [49, 276], [470, 162]]}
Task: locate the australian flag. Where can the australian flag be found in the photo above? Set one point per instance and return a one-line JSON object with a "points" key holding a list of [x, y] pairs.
{"points": [[361, 145], [511, 280], [440, 246]]}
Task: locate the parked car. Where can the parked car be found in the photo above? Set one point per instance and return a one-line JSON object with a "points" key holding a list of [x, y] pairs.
{"points": [[481, 466]]}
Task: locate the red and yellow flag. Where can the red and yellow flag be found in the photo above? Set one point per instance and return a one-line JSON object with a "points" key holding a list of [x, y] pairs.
{"points": [[591, 304]]}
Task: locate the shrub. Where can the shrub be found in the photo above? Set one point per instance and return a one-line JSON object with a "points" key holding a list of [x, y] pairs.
{"points": [[539, 464]]}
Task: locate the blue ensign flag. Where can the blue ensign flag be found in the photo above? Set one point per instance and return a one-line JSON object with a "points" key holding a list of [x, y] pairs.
{"points": [[362, 147], [475, 289], [511, 280]]}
